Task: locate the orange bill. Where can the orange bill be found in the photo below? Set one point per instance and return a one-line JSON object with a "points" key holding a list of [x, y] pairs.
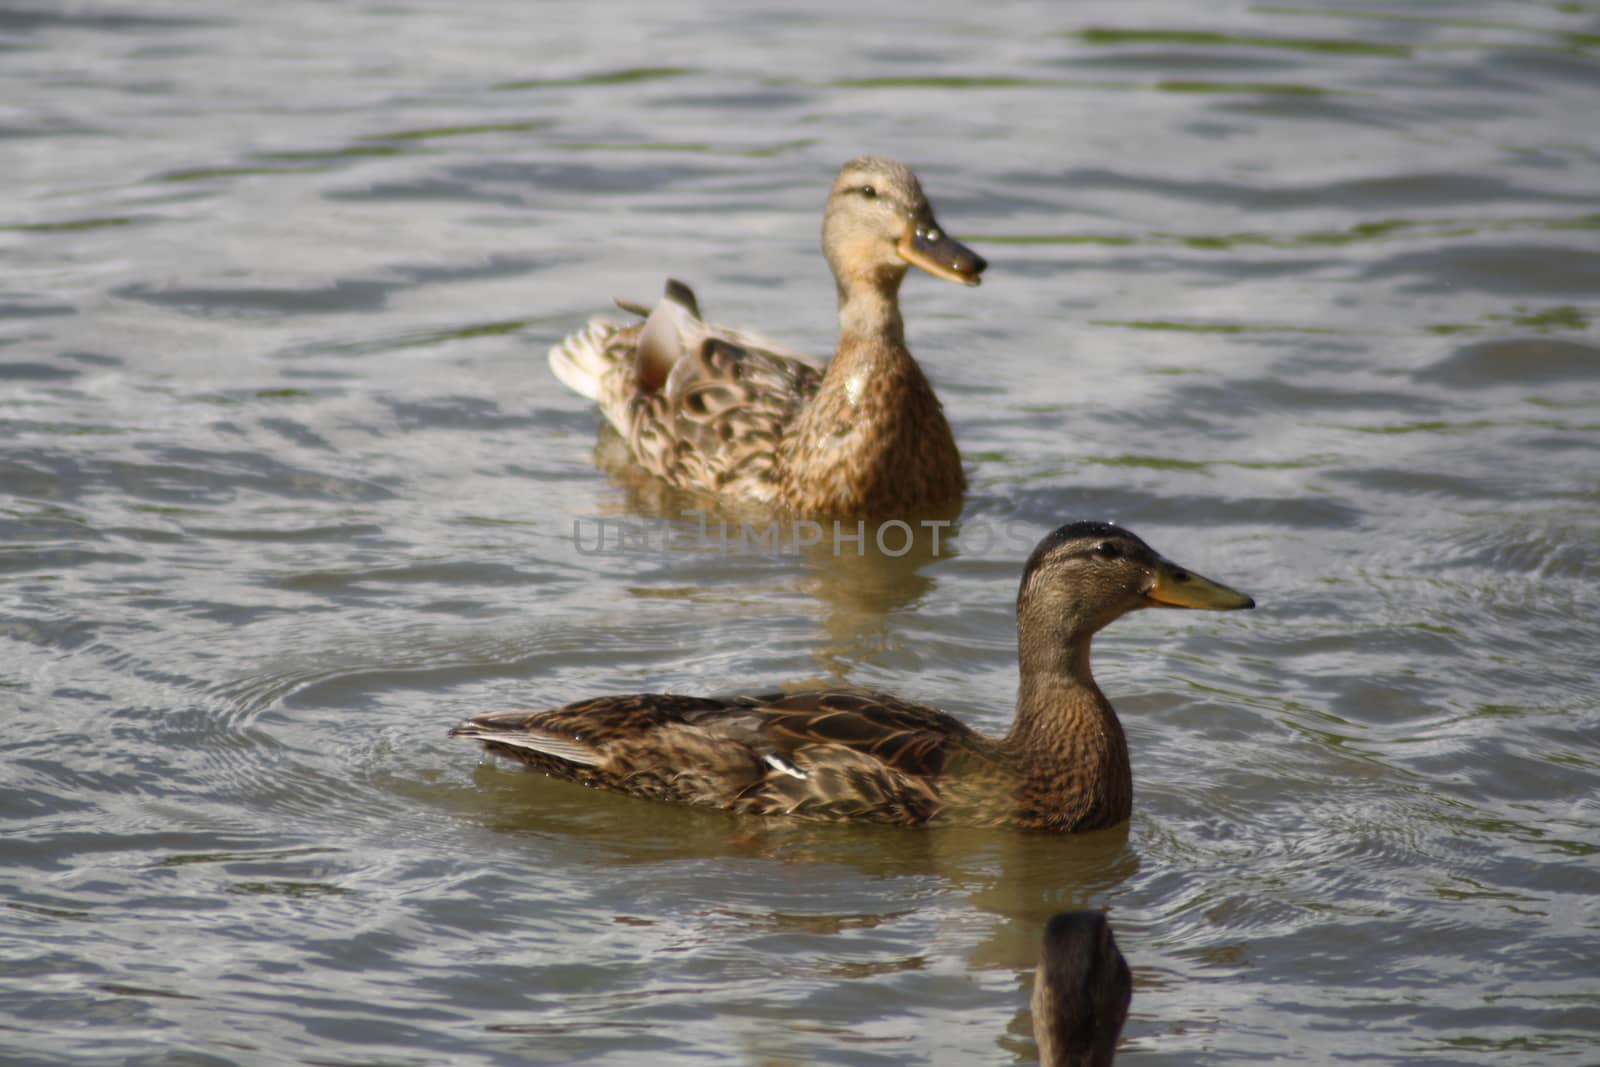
{"points": [[1176, 587], [927, 246]]}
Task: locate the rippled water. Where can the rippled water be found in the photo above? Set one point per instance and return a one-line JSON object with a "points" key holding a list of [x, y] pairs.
{"points": [[1306, 296]]}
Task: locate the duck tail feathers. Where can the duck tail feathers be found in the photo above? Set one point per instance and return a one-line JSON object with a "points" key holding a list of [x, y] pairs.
{"points": [[583, 358]]}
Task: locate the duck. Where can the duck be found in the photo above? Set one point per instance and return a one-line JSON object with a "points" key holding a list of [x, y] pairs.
{"points": [[847, 755], [1081, 991], [720, 412]]}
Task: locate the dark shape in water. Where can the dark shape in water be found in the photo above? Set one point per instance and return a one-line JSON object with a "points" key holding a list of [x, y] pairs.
{"points": [[1081, 992]]}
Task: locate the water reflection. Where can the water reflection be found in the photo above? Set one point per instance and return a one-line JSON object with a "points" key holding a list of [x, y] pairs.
{"points": [[1017, 876], [860, 586], [818, 888], [859, 572]]}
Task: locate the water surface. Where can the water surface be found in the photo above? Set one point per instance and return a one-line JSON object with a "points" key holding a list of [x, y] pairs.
{"points": [[1304, 295]]}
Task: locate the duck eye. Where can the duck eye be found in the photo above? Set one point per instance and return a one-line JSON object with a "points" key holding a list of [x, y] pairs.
{"points": [[869, 192], [1108, 550]]}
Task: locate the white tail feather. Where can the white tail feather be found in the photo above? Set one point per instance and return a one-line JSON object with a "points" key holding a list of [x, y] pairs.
{"points": [[564, 748], [580, 361]]}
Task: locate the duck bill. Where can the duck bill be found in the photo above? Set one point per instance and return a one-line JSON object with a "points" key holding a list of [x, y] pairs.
{"points": [[1176, 587], [927, 246]]}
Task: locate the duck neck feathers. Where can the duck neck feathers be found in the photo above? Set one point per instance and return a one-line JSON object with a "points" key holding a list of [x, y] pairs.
{"points": [[874, 440], [869, 307], [1067, 743]]}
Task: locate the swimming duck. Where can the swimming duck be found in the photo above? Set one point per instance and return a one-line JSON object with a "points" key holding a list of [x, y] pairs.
{"points": [[847, 755], [1081, 992], [715, 410]]}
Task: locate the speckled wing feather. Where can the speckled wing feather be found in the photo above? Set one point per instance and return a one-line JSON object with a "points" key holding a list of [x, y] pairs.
{"points": [[827, 754], [857, 756], [653, 745], [906, 737], [715, 425], [701, 406]]}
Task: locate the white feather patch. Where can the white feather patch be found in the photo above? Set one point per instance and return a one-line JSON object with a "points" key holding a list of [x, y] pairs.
{"points": [[854, 386], [580, 361], [785, 766]]}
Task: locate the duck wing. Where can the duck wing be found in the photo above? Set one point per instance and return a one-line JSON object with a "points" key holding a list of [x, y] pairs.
{"points": [[702, 406], [866, 757], [827, 754]]}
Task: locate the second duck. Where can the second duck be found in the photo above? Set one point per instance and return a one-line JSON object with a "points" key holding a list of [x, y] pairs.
{"points": [[718, 411], [872, 757]]}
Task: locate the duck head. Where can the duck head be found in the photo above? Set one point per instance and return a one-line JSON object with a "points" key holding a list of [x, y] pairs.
{"points": [[1087, 574], [878, 222]]}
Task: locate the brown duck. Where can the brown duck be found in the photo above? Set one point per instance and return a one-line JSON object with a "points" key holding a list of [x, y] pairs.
{"points": [[711, 409], [834, 754], [1081, 992]]}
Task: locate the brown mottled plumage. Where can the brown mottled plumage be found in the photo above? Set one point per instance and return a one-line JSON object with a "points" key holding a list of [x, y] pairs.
{"points": [[1081, 992], [715, 410], [835, 754]]}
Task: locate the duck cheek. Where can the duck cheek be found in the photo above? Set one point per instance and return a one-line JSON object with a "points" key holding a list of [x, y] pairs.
{"points": [[1143, 594]]}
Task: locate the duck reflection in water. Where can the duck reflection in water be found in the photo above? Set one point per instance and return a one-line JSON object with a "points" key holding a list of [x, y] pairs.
{"points": [[859, 572]]}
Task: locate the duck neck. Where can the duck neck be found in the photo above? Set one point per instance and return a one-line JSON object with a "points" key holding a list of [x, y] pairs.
{"points": [[1068, 742], [869, 308], [873, 441], [1058, 697]]}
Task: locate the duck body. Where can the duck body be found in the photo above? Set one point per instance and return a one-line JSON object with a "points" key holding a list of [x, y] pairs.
{"points": [[877, 445], [841, 755], [872, 757], [719, 411], [826, 754]]}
